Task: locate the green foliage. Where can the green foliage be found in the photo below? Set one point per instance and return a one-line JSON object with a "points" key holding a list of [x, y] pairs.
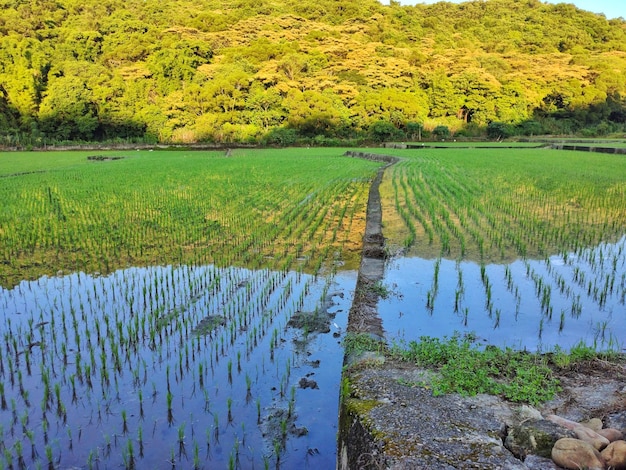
{"points": [[466, 369], [499, 130], [281, 136], [380, 290], [358, 343], [441, 132], [381, 131], [223, 72]]}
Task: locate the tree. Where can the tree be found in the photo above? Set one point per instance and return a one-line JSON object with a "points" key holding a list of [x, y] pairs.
{"points": [[281, 136], [414, 130], [176, 69], [381, 131], [445, 99], [441, 132], [68, 109], [499, 130], [178, 63], [265, 107], [313, 113]]}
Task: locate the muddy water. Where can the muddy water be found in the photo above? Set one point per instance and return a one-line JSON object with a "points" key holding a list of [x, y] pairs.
{"points": [[173, 367], [528, 304]]}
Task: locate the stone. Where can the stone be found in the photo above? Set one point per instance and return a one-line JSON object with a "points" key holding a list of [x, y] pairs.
{"points": [[588, 435], [611, 434], [574, 454], [616, 420], [528, 412], [566, 423], [594, 424], [306, 383], [535, 462], [615, 455], [534, 436]]}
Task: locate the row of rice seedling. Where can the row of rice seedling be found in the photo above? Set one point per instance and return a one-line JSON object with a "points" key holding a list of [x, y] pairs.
{"points": [[185, 207], [139, 348], [467, 198], [182, 362], [559, 212]]}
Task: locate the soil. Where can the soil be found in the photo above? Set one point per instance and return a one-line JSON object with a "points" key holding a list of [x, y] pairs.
{"points": [[385, 423], [104, 158]]}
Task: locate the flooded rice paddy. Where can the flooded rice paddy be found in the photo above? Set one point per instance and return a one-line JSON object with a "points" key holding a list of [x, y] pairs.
{"points": [[537, 305], [172, 367]]}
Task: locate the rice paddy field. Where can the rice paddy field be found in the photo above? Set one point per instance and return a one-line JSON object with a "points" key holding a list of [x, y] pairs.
{"points": [[185, 309], [521, 248], [175, 309]]}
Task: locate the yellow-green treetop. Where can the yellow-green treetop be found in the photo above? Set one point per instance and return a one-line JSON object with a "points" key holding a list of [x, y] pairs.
{"points": [[240, 70]]}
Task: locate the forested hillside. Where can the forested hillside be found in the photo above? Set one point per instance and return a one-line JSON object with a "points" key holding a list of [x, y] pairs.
{"points": [[273, 71]]}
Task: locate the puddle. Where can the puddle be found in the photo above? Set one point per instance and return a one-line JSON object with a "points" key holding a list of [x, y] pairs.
{"points": [[166, 367], [528, 304]]}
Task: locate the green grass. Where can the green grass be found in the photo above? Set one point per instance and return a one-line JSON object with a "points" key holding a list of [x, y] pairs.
{"points": [[358, 343], [501, 204], [466, 369], [61, 211], [463, 366], [187, 330]]}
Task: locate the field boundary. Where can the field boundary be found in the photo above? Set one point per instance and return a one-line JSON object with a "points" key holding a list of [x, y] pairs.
{"points": [[354, 438], [363, 317], [587, 148]]}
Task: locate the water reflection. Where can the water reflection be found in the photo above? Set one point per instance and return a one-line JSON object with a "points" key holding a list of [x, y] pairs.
{"points": [[170, 366], [528, 304]]}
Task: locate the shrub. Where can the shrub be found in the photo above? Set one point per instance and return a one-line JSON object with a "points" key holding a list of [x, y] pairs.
{"points": [[381, 131], [441, 132], [499, 130], [281, 136]]}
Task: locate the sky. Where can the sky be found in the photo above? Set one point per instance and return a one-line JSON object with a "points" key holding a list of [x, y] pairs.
{"points": [[610, 8]]}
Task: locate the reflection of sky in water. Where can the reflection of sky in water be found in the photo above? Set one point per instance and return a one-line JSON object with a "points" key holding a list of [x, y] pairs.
{"points": [[156, 311], [583, 296]]}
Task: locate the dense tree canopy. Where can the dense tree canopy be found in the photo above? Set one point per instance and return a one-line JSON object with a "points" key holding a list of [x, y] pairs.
{"points": [[249, 71]]}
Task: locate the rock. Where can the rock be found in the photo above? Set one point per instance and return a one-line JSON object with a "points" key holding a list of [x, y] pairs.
{"points": [[534, 462], [566, 423], [596, 440], [615, 455], [534, 436], [528, 412], [594, 424], [575, 454], [611, 434], [306, 383], [298, 431], [616, 420]]}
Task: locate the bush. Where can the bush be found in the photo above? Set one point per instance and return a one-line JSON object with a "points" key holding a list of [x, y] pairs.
{"points": [[530, 128], [381, 131], [281, 136], [441, 132], [499, 130]]}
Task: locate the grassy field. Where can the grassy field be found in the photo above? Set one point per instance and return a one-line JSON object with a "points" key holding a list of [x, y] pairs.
{"points": [[520, 247], [62, 211], [500, 204], [161, 309], [164, 308]]}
